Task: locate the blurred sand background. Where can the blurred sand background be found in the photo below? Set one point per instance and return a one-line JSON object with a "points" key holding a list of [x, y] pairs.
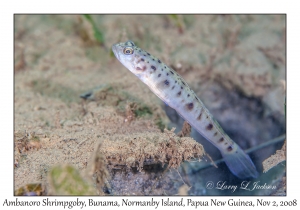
{"points": [[234, 63]]}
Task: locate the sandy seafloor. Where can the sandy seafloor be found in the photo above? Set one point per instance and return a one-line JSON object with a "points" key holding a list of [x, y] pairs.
{"points": [[234, 63]]}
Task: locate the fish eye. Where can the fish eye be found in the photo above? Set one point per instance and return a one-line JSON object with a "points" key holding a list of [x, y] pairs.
{"points": [[128, 51]]}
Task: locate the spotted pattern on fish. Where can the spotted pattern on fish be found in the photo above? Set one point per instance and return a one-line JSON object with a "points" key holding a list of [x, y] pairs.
{"points": [[190, 108]]}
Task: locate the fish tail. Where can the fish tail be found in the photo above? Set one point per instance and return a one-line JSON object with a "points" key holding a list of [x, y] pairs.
{"points": [[240, 164]]}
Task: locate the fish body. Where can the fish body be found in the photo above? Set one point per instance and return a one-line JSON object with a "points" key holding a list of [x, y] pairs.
{"points": [[170, 87]]}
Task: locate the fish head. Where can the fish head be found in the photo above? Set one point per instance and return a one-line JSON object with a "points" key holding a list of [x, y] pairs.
{"points": [[126, 53]]}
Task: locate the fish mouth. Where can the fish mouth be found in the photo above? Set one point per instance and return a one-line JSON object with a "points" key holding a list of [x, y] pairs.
{"points": [[116, 51]]}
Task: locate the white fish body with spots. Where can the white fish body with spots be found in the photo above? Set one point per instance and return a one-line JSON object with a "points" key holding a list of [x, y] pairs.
{"points": [[174, 91]]}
